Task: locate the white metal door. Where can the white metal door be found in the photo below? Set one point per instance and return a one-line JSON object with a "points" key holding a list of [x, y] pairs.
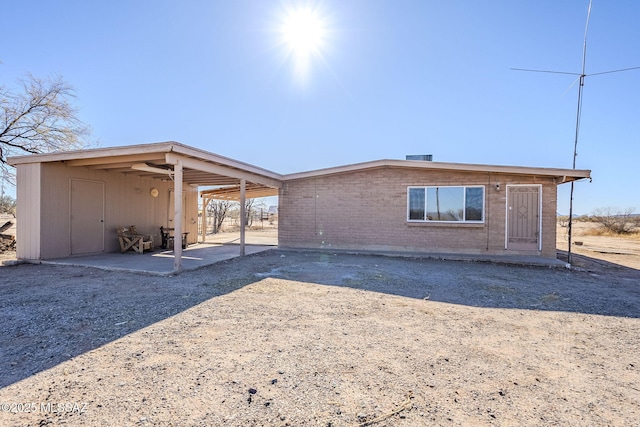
{"points": [[87, 216]]}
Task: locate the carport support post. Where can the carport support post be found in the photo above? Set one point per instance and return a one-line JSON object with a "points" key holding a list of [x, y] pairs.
{"points": [[177, 217], [243, 190]]}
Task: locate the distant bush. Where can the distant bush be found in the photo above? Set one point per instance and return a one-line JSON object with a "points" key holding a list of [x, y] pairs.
{"points": [[616, 221]]}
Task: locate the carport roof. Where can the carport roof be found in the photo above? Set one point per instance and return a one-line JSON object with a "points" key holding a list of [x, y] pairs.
{"points": [[156, 160]]}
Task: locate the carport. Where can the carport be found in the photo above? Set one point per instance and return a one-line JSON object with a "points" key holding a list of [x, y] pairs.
{"points": [[125, 175]]}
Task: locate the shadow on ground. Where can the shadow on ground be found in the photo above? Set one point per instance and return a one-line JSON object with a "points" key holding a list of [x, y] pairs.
{"points": [[53, 313], [592, 287]]}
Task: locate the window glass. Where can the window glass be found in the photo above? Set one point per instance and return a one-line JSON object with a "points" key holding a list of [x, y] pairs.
{"points": [[416, 204], [445, 203], [473, 204]]}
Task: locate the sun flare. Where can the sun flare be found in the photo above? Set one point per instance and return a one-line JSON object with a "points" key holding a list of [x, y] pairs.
{"points": [[303, 34]]}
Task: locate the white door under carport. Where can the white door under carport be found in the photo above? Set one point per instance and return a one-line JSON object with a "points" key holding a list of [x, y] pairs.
{"points": [[87, 216]]}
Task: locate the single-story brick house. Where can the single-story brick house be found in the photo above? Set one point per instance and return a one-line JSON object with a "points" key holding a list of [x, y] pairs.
{"points": [[424, 207], [70, 203]]}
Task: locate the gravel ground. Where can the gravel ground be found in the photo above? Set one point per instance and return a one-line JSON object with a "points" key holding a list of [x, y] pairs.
{"points": [[319, 339]]}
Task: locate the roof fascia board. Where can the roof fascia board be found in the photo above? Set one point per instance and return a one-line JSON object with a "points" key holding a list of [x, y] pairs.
{"points": [[201, 165], [225, 166], [140, 152], [519, 170], [160, 147]]}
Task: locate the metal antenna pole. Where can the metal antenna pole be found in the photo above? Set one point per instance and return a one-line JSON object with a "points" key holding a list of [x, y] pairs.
{"points": [[582, 76], [575, 154], [575, 143]]}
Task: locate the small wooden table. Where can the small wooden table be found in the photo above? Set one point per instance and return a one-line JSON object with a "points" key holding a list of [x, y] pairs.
{"points": [[168, 237]]}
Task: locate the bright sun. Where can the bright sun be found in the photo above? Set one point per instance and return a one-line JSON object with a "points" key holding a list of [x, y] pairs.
{"points": [[303, 31], [303, 34]]}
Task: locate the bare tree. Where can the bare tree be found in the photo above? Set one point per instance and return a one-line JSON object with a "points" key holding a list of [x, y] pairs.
{"points": [[251, 208], [38, 119], [248, 212], [218, 209], [7, 204]]}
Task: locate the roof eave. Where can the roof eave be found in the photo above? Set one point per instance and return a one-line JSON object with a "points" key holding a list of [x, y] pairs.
{"points": [[566, 175], [162, 147]]}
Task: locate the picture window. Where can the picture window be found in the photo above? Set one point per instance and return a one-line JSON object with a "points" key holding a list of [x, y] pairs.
{"points": [[445, 204]]}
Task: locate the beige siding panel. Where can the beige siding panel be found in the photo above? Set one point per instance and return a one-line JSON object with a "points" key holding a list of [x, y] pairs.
{"points": [[189, 216], [56, 231], [28, 213], [367, 210]]}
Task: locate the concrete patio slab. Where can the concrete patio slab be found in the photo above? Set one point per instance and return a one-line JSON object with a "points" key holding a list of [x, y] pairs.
{"points": [[160, 261]]}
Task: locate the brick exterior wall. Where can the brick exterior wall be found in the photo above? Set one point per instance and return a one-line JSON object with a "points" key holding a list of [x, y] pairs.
{"points": [[367, 210]]}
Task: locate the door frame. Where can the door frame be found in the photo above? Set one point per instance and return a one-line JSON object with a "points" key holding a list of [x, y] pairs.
{"points": [[506, 222]]}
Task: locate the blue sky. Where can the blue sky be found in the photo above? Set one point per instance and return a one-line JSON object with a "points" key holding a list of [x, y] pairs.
{"points": [[391, 78]]}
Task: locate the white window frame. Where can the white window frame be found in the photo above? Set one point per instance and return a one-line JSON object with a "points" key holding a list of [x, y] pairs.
{"points": [[464, 195]]}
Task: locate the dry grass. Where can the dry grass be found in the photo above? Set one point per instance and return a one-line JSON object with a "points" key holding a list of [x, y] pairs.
{"points": [[601, 231], [592, 240]]}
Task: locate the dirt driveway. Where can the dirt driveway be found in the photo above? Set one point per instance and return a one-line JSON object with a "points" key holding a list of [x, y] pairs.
{"points": [[320, 339]]}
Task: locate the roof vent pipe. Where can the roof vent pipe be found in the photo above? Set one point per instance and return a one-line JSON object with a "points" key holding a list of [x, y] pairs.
{"points": [[423, 157]]}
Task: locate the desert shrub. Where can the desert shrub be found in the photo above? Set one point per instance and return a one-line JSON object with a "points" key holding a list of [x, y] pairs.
{"points": [[616, 221], [563, 220]]}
